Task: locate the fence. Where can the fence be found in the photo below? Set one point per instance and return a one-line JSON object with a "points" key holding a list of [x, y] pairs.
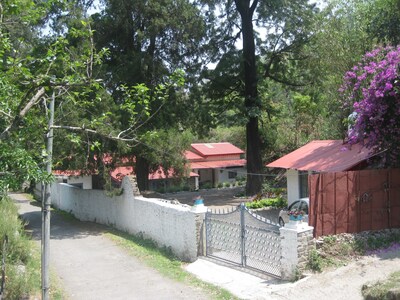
{"points": [[170, 225], [354, 201]]}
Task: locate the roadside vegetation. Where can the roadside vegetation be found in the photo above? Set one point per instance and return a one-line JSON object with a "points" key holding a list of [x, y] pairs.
{"points": [[383, 290], [338, 250], [22, 258], [162, 260]]}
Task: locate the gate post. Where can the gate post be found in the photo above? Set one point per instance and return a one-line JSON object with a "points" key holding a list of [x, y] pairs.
{"points": [[201, 234], [296, 242], [242, 235]]}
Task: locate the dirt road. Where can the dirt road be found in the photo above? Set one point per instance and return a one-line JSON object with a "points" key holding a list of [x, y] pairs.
{"points": [[343, 283], [92, 267]]}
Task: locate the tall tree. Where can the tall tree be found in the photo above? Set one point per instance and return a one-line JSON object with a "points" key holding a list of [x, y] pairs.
{"points": [[271, 51], [246, 10], [148, 41]]}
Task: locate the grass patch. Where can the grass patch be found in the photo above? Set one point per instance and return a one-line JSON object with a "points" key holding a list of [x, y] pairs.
{"points": [[162, 260], [22, 256], [387, 289], [56, 290], [23, 260]]}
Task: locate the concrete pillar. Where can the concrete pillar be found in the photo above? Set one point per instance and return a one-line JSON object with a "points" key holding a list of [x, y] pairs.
{"points": [[296, 242], [200, 232]]}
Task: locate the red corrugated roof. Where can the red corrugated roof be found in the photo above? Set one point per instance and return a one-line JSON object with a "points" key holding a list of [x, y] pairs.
{"points": [[160, 174], [323, 156], [218, 164], [119, 172], [192, 156], [67, 172], [207, 149]]}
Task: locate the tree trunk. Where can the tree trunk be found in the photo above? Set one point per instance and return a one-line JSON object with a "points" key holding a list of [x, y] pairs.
{"points": [[252, 103], [142, 173]]}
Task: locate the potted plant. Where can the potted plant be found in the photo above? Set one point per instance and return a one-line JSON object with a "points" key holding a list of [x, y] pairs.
{"points": [[295, 215]]}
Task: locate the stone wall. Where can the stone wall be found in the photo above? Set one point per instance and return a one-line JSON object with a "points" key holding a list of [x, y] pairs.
{"points": [[296, 243]]}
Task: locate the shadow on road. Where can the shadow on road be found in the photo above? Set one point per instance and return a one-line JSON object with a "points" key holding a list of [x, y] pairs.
{"points": [[61, 228]]}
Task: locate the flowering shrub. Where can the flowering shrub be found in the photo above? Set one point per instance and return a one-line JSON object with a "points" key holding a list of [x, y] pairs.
{"points": [[296, 213], [372, 91]]}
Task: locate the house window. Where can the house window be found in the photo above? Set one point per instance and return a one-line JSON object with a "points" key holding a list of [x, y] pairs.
{"points": [[232, 175], [303, 183]]}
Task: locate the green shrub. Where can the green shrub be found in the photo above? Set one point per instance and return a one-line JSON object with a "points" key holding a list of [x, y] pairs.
{"points": [[185, 188], [269, 202], [220, 185], [315, 261], [241, 178], [227, 184], [22, 260], [173, 189], [206, 185]]}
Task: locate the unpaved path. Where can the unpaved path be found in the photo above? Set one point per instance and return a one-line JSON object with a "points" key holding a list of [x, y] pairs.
{"points": [[343, 283], [92, 267]]}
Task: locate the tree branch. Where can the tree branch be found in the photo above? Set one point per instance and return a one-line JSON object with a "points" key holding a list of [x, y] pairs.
{"points": [[92, 131], [285, 82], [32, 102], [253, 7], [23, 112]]}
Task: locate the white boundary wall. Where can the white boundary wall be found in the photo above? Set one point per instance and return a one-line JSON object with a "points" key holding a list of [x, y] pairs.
{"points": [[170, 225]]}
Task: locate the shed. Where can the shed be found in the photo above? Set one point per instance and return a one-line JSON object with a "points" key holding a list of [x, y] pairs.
{"points": [[321, 156]]}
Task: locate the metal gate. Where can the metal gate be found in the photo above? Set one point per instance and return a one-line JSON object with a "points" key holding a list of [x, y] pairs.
{"points": [[244, 239]]}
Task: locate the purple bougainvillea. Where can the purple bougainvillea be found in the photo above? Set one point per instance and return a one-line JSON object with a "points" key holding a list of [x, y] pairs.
{"points": [[371, 90]]}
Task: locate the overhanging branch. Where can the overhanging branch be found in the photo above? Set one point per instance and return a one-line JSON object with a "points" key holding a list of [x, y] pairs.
{"points": [[39, 94], [92, 131]]}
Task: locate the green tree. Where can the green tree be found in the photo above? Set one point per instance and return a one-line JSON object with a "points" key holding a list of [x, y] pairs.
{"points": [[271, 54], [339, 42], [148, 42], [383, 23], [35, 68]]}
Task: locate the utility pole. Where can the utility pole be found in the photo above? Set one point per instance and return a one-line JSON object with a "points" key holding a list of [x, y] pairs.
{"points": [[46, 203]]}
